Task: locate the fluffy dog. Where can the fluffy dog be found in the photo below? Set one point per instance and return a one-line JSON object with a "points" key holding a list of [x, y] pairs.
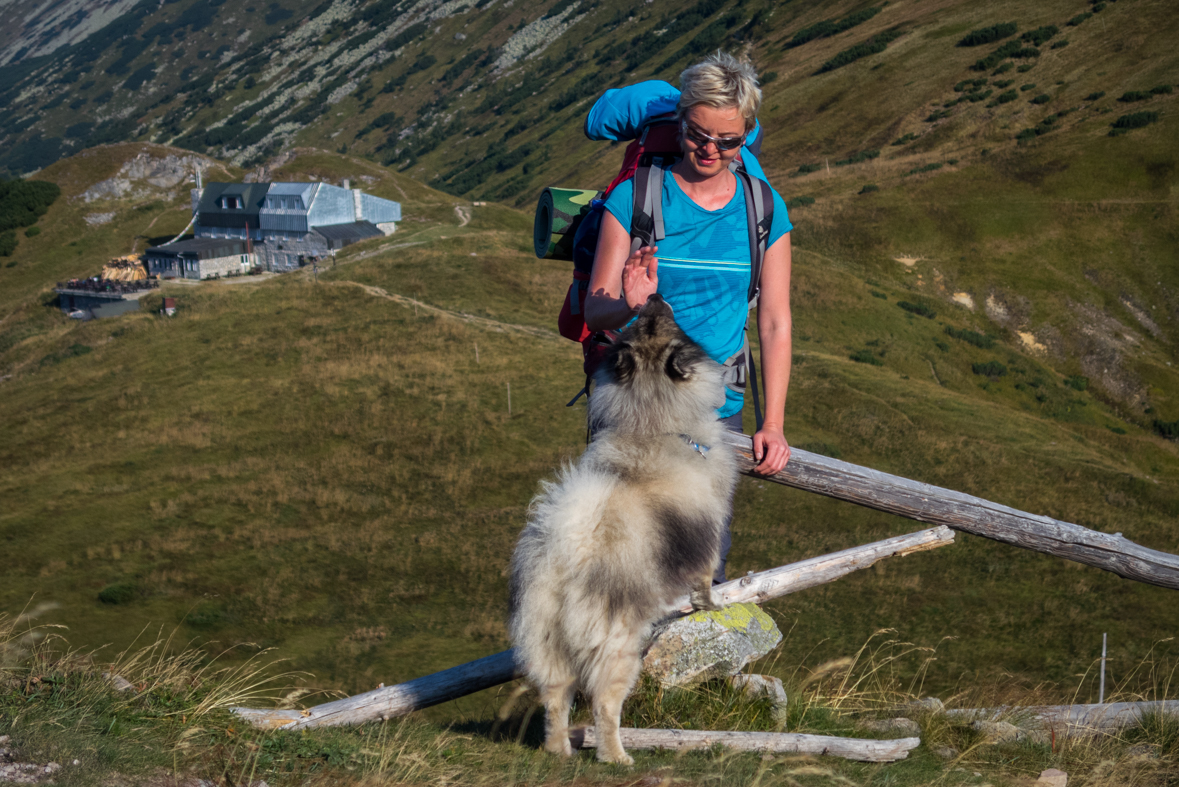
{"points": [[635, 524]]}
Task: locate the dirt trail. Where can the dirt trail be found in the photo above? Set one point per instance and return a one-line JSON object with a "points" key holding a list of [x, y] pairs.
{"points": [[484, 322], [464, 215]]}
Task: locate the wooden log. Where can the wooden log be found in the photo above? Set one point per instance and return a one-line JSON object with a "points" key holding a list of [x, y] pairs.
{"points": [[782, 742], [491, 671], [393, 701], [765, 585], [935, 505], [1072, 719]]}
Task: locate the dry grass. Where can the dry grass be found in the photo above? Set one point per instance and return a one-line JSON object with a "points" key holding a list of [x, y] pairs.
{"points": [[173, 719]]}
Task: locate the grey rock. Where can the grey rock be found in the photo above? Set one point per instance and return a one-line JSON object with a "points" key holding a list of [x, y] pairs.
{"points": [[160, 173], [707, 645], [1052, 778], [1137, 750], [1040, 735], [998, 731], [756, 686], [946, 752], [27, 772], [906, 728], [118, 682], [931, 704]]}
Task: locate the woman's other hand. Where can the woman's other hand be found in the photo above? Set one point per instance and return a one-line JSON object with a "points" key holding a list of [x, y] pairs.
{"points": [[640, 277], [770, 450]]}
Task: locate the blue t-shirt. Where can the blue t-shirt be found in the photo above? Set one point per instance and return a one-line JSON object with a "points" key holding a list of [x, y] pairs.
{"points": [[704, 266]]}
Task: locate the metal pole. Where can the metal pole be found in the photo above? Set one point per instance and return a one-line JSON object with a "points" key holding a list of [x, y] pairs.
{"points": [[1101, 690]]}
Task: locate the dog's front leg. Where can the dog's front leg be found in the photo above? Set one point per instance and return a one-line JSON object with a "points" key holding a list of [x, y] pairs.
{"points": [[558, 700], [701, 597]]}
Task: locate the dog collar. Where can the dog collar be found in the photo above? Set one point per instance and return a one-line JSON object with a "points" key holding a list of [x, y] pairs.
{"points": [[695, 446]]}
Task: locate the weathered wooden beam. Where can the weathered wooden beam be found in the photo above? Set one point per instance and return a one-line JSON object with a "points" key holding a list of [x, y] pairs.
{"points": [[765, 585], [391, 701], [782, 742], [1072, 719], [935, 505]]}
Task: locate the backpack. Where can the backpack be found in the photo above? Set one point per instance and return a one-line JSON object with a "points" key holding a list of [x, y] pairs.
{"points": [[646, 160]]}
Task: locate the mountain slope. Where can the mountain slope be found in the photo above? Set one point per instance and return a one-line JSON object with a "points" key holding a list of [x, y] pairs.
{"points": [[328, 465]]}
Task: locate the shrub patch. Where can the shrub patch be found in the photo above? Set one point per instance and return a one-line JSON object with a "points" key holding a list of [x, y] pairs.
{"points": [[971, 337], [866, 356], [874, 45], [830, 27], [992, 369], [919, 309], [988, 35], [1132, 121]]}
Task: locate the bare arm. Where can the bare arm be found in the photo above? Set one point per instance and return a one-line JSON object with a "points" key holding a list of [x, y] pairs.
{"points": [[620, 282], [774, 333]]}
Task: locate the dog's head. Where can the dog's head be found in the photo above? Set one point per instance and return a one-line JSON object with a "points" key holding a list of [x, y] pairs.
{"points": [[654, 378]]}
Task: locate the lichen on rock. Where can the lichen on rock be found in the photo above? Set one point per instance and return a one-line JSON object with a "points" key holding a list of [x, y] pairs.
{"points": [[708, 645]]}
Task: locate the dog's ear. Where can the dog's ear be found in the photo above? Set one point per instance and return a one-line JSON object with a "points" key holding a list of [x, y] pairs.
{"points": [[622, 362], [680, 363]]}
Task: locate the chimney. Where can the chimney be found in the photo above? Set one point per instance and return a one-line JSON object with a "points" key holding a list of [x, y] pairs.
{"points": [[346, 183]]}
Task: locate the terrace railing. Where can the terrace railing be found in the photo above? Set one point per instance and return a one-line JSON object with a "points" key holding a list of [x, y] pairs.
{"points": [[108, 286]]}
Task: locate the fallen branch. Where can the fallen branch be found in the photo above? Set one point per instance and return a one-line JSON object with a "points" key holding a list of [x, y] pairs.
{"points": [[782, 742], [391, 701], [933, 504], [761, 587], [1072, 719]]}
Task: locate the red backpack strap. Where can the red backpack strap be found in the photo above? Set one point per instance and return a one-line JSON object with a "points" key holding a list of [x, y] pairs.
{"points": [[659, 135], [661, 147]]}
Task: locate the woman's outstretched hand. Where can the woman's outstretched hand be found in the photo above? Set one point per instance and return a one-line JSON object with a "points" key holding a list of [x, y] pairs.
{"points": [[639, 277], [770, 449]]}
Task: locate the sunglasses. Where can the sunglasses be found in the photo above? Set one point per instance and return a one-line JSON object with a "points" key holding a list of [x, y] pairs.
{"points": [[700, 139]]}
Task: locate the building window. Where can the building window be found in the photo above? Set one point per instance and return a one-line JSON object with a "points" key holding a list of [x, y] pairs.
{"points": [[231, 203]]}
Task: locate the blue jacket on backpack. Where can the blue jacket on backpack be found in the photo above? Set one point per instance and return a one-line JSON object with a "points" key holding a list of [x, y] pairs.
{"points": [[620, 113]]}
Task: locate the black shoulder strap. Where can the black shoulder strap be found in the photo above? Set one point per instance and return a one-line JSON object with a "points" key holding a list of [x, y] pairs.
{"points": [[759, 211]]}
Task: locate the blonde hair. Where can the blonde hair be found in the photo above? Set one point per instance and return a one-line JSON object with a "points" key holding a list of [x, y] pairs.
{"points": [[720, 81]]}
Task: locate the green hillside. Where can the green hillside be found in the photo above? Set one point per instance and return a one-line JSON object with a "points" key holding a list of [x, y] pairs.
{"points": [[985, 298], [330, 467]]}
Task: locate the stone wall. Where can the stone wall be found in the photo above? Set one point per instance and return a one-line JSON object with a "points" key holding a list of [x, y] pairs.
{"points": [[285, 259], [223, 266]]}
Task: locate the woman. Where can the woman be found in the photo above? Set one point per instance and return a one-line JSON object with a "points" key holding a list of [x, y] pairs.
{"points": [[705, 268]]}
